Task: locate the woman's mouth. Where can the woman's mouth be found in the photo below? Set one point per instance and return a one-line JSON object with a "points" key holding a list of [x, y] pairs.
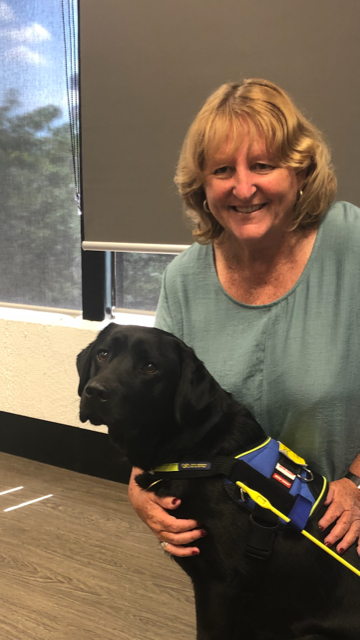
{"points": [[252, 209]]}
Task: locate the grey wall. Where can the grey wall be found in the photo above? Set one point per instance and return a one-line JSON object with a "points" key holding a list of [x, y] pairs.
{"points": [[148, 65]]}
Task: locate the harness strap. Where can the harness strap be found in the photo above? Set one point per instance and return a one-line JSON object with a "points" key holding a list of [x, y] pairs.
{"points": [[235, 470], [211, 467], [300, 513]]}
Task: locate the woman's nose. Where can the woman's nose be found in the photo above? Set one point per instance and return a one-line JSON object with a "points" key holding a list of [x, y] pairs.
{"points": [[244, 186]]}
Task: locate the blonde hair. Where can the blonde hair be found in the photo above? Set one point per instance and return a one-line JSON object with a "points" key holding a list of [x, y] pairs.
{"points": [[260, 106]]}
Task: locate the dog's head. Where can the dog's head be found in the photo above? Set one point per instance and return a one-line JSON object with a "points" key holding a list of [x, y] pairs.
{"points": [[149, 388]]}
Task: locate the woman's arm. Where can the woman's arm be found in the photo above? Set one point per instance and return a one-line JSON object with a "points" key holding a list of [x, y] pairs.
{"points": [[344, 506], [152, 510]]}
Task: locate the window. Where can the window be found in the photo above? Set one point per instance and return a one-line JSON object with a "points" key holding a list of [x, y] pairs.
{"points": [[138, 279], [40, 227], [40, 239]]}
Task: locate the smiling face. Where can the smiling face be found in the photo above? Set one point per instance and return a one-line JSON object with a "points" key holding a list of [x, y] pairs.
{"points": [[249, 193]]}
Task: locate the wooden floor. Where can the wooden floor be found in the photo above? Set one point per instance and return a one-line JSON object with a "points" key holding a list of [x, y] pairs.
{"points": [[80, 565]]}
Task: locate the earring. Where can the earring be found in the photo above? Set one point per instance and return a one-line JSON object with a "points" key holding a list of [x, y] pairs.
{"points": [[206, 207], [300, 193]]}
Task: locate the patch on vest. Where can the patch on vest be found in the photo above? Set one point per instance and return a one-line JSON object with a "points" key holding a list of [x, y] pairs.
{"points": [[281, 479], [290, 454]]}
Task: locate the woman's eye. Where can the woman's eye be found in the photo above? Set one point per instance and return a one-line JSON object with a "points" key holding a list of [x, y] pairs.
{"points": [[220, 171], [102, 355], [262, 166], [149, 368]]}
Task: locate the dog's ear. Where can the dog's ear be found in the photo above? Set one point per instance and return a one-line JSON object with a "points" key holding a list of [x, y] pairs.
{"points": [[197, 393], [84, 359], [83, 364]]}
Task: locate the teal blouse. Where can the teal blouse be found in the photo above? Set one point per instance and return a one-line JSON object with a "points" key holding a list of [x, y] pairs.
{"points": [[295, 363]]}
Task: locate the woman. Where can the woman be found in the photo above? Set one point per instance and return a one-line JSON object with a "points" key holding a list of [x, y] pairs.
{"points": [[268, 296]]}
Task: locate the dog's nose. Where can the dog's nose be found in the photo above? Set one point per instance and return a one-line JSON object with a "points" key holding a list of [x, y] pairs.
{"points": [[97, 391]]}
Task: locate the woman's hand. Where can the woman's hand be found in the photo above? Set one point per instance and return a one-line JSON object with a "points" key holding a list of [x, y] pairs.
{"points": [[151, 509], [344, 506]]}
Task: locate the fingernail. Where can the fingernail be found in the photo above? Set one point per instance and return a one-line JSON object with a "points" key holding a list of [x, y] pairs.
{"points": [[341, 550], [175, 501], [195, 553], [203, 532], [328, 544], [321, 527]]}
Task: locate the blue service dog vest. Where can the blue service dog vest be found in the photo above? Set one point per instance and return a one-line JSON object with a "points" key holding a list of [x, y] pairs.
{"points": [[279, 464]]}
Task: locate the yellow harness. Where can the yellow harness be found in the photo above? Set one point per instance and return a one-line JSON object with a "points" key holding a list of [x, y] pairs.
{"points": [[259, 466]]}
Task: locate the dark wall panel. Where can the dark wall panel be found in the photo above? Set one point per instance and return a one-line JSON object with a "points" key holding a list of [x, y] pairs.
{"points": [[79, 450]]}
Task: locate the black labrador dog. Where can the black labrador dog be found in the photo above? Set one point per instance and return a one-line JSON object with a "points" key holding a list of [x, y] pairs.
{"points": [[162, 406]]}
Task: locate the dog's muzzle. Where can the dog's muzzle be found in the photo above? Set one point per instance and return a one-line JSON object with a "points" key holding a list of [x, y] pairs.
{"points": [[96, 402]]}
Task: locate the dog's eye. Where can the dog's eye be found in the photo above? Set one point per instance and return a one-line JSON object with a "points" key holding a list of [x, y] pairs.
{"points": [[103, 355], [149, 368]]}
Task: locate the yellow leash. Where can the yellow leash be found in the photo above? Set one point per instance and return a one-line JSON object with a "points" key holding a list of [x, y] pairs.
{"points": [[265, 504]]}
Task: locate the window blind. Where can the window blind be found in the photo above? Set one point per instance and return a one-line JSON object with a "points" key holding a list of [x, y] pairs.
{"points": [[146, 69]]}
